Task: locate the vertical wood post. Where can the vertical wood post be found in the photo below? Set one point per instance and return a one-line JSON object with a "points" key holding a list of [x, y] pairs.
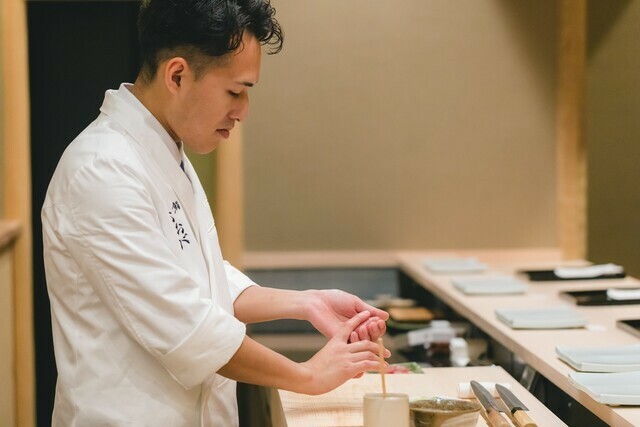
{"points": [[229, 204], [571, 140], [17, 189]]}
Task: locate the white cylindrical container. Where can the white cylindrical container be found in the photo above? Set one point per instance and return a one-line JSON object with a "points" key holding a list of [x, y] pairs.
{"points": [[391, 410]]}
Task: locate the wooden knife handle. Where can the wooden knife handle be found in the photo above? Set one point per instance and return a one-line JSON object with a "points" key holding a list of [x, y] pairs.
{"points": [[523, 419], [495, 419]]}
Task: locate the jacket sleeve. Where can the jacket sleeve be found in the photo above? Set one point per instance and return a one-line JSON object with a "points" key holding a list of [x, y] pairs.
{"points": [[238, 281], [117, 240]]}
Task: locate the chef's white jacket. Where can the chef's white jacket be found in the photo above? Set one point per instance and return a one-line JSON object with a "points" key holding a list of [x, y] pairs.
{"points": [[141, 299]]}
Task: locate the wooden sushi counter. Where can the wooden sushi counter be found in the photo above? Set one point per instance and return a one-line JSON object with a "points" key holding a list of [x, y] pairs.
{"points": [[536, 347], [342, 407]]}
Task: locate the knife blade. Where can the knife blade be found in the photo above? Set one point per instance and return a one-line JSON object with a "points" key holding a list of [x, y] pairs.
{"points": [[517, 408], [489, 404]]}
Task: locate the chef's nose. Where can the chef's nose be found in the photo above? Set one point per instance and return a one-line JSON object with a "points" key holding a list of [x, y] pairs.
{"points": [[240, 109]]}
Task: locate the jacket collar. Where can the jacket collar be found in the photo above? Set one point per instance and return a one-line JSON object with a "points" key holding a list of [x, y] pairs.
{"points": [[138, 120], [126, 110]]}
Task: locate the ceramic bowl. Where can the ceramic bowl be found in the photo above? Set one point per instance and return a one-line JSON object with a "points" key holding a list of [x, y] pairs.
{"points": [[443, 412]]}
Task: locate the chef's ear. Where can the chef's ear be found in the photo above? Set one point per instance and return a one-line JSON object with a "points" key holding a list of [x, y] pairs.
{"points": [[174, 72]]}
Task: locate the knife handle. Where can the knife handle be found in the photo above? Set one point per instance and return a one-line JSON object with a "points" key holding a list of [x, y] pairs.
{"points": [[495, 419], [523, 419]]}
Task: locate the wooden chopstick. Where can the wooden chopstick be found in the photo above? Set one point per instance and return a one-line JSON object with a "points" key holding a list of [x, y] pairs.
{"points": [[383, 367]]}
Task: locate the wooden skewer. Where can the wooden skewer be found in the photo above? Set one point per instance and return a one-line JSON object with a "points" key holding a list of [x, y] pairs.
{"points": [[382, 367]]}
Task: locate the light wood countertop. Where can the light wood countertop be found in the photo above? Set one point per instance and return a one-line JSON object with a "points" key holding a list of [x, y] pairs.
{"points": [[537, 347], [342, 407]]}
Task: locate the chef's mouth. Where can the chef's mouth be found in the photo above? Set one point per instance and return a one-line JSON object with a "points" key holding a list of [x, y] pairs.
{"points": [[224, 133]]}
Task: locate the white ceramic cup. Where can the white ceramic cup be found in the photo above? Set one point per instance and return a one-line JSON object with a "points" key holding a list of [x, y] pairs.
{"points": [[391, 410]]}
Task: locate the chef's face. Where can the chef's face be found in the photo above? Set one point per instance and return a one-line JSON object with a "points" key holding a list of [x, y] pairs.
{"points": [[206, 108]]}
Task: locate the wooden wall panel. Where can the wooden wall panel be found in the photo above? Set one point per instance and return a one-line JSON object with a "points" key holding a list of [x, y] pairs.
{"points": [[420, 125], [613, 130]]}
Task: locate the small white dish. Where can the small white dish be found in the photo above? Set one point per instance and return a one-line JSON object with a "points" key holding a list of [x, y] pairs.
{"points": [[489, 285], [454, 265], [623, 294], [542, 318], [588, 272], [621, 388], [624, 358]]}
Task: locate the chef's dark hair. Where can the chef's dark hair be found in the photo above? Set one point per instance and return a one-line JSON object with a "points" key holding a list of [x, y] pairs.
{"points": [[202, 31]]}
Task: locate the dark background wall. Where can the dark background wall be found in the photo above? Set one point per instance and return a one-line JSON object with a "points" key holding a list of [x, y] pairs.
{"points": [[77, 50]]}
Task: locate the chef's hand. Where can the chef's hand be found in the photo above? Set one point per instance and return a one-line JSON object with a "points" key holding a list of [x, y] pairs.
{"points": [[328, 310], [339, 360]]}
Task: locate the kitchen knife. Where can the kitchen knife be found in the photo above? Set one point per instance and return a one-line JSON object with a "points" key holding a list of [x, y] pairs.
{"points": [[517, 408], [490, 406]]}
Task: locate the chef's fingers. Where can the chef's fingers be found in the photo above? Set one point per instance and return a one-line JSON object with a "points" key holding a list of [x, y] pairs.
{"points": [[366, 355], [363, 346], [382, 326], [374, 311], [377, 329], [367, 365], [354, 337], [350, 325], [363, 332], [369, 346], [380, 313], [374, 331]]}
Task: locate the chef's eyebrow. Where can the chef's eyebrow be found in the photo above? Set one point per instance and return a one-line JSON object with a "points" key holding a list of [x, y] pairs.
{"points": [[247, 84]]}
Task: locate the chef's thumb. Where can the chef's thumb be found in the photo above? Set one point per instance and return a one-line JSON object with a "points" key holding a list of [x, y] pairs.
{"points": [[352, 324]]}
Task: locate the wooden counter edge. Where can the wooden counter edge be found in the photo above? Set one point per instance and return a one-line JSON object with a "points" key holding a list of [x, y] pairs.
{"points": [[277, 260], [9, 232], [319, 259]]}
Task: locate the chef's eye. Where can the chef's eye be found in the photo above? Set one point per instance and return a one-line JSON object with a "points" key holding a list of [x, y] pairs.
{"points": [[234, 94]]}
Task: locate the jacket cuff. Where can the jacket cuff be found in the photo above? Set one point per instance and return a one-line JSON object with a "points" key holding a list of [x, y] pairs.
{"points": [[238, 281], [209, 347]]}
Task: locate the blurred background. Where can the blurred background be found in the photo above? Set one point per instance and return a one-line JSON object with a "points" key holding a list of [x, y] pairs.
{"points": [[380, 127]]}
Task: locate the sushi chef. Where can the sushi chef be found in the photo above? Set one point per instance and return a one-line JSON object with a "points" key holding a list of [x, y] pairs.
{"points": [[148, 319]]}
